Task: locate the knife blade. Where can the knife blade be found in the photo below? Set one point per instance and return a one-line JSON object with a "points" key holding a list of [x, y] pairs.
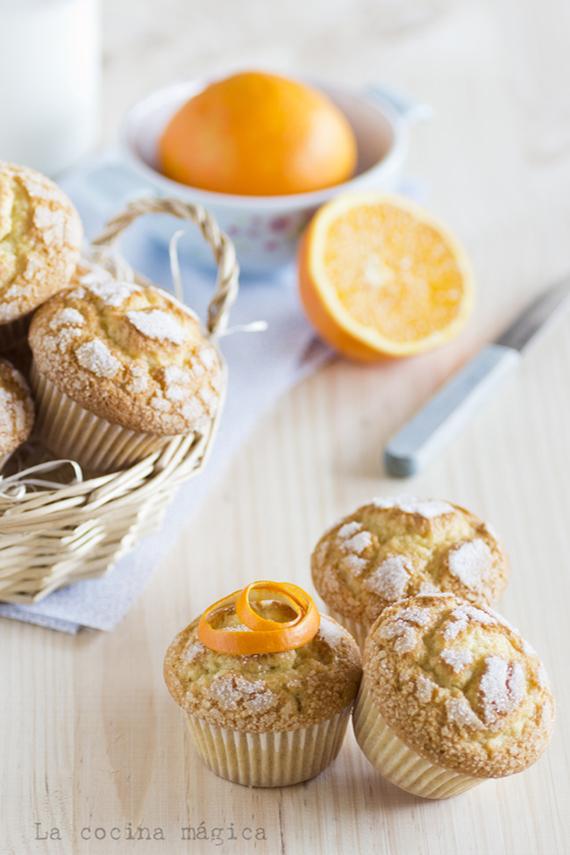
{"points": [[409, 450]]}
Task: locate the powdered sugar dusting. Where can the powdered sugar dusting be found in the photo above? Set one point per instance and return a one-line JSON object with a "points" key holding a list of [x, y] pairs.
{"points": [[461, 617], [140, 378], [405, 635], [460, 712], [12, 418], [207, 356], [232, 691], [331, 632], [95, 357], [470, 562], [67, 316], [113, 293], [502, 688], [348, 529], [457, 658], [193, 411], [353, 564], [390, 579], [427, 588], [159, 325], [353, 540], [160, 404], [425, 689], [428, 508], [358, 542], [415, 614], [193, 650]]}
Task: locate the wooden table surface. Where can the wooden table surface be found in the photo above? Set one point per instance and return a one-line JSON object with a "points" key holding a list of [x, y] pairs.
{"points": [[90, 738]]}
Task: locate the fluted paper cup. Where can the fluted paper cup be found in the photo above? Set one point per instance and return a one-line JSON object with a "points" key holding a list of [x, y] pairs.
{"points": [[272, 759], [394, 760], [71, 432]]}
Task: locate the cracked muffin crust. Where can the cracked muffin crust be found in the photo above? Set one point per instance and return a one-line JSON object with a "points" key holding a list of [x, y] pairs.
{"points": [[390, 549], [459, 686], [40, 238], [264, 692], [129, 353], [16, 410]]}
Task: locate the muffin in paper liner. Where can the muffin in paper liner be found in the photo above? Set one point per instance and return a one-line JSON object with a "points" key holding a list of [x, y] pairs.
{"points": [[273, 758], [120, 369], [16, 411], [71, 432], [399, 764], [451, 695], [266, 719], [393, 548], [44, 234]]}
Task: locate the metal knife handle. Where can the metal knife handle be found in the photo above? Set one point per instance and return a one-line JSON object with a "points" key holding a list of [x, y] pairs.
{"points": [[436, 423]]}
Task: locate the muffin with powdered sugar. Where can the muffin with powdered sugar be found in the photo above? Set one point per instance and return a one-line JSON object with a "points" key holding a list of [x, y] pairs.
{"points": [[119, 369], [16, 411], [451, 696], [40, 238], [393, 548], [267, 702]]}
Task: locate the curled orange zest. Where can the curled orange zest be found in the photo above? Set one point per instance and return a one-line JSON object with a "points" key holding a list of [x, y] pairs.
{"points": [[262, 635]]}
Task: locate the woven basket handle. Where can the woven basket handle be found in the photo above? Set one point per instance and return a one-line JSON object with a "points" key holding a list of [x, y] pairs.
{"points": [[222, 249]]}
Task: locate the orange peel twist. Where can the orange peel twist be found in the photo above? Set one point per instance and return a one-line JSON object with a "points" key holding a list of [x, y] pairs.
{"points": [[263, 635]]}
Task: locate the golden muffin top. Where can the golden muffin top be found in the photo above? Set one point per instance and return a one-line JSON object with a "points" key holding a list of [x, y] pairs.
{"points": [[459, 685], [394, 548], [128, 352], [16, 409], [40, 237], [264, 691]]}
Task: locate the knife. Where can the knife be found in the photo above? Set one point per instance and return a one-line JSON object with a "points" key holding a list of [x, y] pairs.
{"points": [[409, 450]]}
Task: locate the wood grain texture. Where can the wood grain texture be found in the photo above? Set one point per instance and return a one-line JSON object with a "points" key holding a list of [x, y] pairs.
{"points": [[89, 734]]}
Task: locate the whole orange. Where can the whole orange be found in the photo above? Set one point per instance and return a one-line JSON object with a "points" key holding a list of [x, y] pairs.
{"points": [[258, 134]]}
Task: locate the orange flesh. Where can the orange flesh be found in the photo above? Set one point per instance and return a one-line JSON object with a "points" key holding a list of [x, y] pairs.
{"points": [[393, 272]]}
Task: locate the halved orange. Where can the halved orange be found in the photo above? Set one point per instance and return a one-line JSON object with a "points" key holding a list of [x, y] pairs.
{"points": [[380, 277]]}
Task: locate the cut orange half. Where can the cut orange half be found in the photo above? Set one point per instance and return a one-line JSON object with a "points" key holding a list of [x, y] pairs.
{"points": [[380, 277]]}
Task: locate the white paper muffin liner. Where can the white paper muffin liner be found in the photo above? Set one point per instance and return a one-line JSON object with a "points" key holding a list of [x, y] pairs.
{"points": [[70, 431], [14, 332], [272, 759], [401, 765], [359, 629]]}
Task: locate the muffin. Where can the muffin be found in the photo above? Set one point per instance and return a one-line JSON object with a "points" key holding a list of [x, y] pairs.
{"points": [[40, 237], [390, 549], [16, 411], [264, 719], [451, 695], [119, 368]]}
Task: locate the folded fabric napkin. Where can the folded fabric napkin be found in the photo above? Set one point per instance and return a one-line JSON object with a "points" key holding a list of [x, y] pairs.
{"points": [[261, 367]]}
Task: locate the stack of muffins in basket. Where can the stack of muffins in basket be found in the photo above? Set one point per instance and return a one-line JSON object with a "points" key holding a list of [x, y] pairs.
{"points": [[116, 369], [447, 693]]}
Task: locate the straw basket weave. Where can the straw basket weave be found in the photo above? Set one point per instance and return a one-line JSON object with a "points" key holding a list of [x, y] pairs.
{"points": [[53, 534]]}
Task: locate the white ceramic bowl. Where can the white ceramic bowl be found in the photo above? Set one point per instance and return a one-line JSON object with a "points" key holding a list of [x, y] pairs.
{"points": [[265, 229]]}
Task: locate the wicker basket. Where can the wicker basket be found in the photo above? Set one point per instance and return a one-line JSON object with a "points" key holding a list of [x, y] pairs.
{"points": [[52, 534]]}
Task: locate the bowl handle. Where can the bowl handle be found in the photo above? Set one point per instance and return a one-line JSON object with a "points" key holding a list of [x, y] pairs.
{"points": [[220, 244], [408, 109]]}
